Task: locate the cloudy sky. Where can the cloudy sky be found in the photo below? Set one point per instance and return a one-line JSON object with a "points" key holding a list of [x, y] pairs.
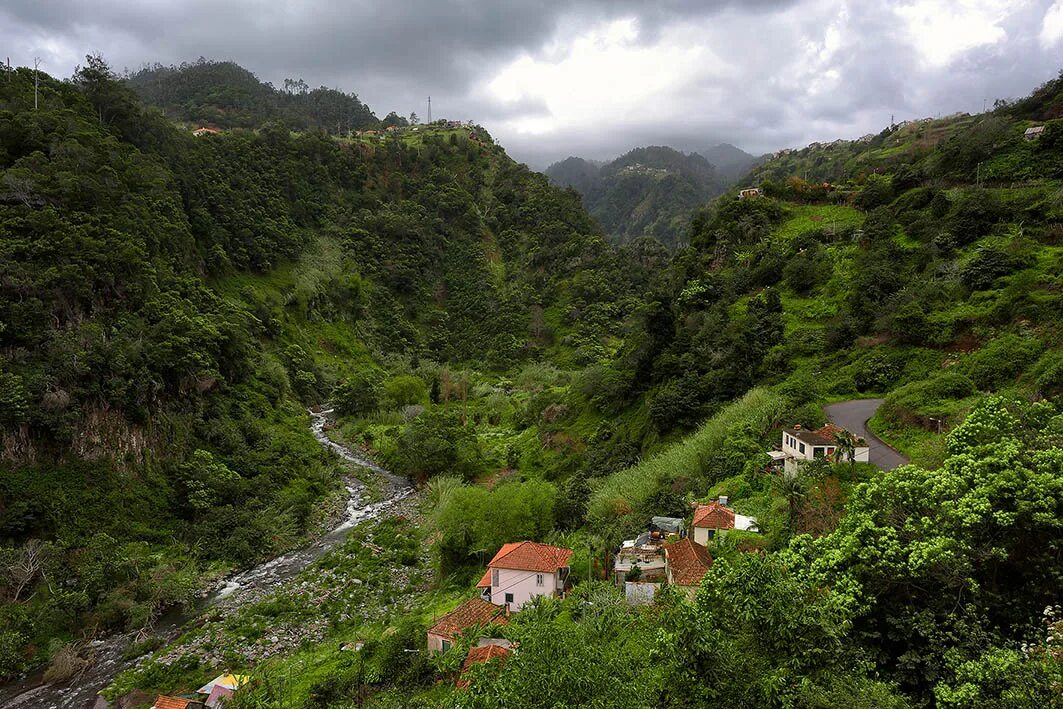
{"points": [[586, 77]]}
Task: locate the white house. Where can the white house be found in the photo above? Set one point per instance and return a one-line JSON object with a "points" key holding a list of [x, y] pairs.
{"points": [[521, 571], [1033, 133], [749, 192], [717, 516], [800, 445]]}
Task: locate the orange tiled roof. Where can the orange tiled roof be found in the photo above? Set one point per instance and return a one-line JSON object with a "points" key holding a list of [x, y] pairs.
{"points": [[485, 653], [530, 556], [830, 432], [688, 561], [714, 516], [164, 702], [472, 612]]}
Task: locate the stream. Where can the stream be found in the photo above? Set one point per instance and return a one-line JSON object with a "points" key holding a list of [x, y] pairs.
{"points": [[106, 653]]}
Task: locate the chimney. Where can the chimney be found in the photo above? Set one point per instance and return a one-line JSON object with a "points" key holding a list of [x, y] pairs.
{"points": [[797, 427], [723, 500]]}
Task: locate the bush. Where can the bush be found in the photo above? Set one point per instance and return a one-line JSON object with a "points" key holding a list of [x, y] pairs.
{"points": [[405, 390], [359, 394], [438, 443], [986, 267], [1001, 361]]}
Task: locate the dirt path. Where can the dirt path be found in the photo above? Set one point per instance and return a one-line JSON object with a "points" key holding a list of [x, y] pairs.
{"points": [[853, 416]]}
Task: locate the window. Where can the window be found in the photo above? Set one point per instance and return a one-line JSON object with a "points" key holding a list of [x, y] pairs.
{"points": [[801, 447], [494, 577], [817, 452], [538, 579], [830, 451], [509, 598], [445, 645]]}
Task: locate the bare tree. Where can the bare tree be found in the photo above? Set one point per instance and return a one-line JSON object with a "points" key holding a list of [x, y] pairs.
{"points": [[23, 565]]}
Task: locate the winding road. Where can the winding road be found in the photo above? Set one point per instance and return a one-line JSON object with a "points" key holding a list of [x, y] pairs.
{"points": [[106, 654], [853, 416]]}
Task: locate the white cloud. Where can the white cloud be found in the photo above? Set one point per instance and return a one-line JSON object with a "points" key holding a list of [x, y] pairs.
{"points": [[1052, 25], [942, 30], [603, 74]]}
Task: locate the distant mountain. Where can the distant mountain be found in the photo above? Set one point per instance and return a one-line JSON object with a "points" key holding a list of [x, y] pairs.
{"points": [[731, 163], [225, 95], [649, 191]]}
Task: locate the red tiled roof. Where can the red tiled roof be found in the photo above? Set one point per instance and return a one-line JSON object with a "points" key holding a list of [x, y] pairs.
{"points": [[688, 561], [164, 702], [829, 432], [472, 612], [485, 653], [714, 516], [530, 556], [485, 580]]}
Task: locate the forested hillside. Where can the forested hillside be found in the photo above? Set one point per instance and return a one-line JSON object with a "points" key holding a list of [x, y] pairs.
{"points": [[225, 95], [647, 192], [929, 283], [169, 305]]}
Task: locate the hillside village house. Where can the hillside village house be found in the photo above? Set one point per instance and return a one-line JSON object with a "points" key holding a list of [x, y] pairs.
{"points": [[717, 517], [521, 571], [483, 654], [199, 132], [800, 445], [1033, 133], [473, 613], [749, 192], [687, 564]]}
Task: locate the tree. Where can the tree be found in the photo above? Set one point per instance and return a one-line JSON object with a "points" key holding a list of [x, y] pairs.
{"points": [[438, 443]]}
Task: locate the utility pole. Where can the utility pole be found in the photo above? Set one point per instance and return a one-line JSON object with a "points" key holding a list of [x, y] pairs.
{"points": [[36, 81], [429, 110]]}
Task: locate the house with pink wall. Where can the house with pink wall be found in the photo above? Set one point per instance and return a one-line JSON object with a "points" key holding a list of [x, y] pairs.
{"points": [[473, 613], [521, 571]]}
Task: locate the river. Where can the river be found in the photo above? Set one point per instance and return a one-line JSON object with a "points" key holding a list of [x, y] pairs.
{"points": [[106, 653]]}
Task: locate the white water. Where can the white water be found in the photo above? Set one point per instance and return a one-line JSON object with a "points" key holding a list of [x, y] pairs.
{"points": [[107, 661]]}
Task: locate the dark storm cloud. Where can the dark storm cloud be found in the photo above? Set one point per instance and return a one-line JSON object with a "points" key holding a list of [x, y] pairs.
{"points": [[789, 71]]}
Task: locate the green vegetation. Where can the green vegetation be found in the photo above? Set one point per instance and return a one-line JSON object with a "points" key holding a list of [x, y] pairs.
{"points": [[170, 305], [648, 192], [225, 95]]}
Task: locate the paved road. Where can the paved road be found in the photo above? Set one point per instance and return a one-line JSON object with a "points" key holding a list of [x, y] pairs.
{"points": [[853, 416]]}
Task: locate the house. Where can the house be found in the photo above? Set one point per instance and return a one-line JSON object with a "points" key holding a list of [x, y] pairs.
{"points": [[749, 192], [800, 445], [221, 688], [165, 702], [1033, 133], [473, 613], [483, 654], [199, 132], [688, 562], [717, 516], [645, 550], [521, 571]]}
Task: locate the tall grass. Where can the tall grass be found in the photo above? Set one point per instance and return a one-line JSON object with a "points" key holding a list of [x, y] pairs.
{"points": [[714, 451]]}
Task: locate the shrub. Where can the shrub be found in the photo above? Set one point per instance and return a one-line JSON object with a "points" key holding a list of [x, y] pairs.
{"points": [[986, 267], [359, 394], [1001, 361], [405, 390]]}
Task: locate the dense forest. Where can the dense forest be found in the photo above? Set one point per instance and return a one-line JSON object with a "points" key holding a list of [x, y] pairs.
{"points": [[647, 192], [225, 95], [169, 305]]}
